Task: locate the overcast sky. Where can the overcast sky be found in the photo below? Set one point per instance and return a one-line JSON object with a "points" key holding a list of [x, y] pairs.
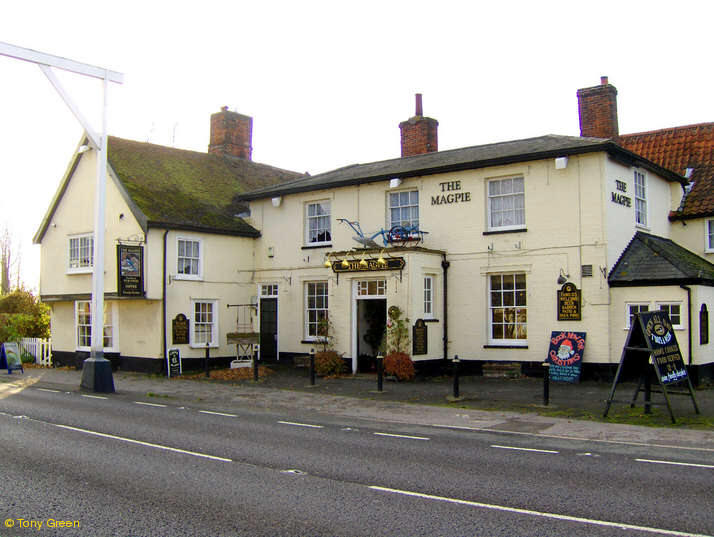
{"points": [[327, 83]]}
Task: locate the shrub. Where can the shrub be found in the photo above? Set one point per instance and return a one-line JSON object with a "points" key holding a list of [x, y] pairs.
{"points": [[27, 358], [329, 363], [400, 365]]}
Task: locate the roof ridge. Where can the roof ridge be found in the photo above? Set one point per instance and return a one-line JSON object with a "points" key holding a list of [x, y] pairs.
{"points": [[675, 128]]}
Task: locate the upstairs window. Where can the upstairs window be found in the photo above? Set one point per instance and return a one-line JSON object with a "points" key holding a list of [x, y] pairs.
{"points": [[709, 235], [506, 204], [318, 228], [188, 259], [81, 253], [640, 199], [404, 209]]}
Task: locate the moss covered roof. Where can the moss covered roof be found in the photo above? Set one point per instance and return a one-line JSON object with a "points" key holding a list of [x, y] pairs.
{"points": [[187, 189]]}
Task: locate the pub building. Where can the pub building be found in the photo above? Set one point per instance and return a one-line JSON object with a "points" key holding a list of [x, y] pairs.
{"points": [[486, 250]]}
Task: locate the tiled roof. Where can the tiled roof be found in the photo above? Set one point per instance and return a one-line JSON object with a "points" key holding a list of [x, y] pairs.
{"points": [[176, 187], [653, 260], [479, 156], [679, 148]]}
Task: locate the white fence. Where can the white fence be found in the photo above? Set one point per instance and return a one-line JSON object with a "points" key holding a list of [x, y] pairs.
{"points": [[41, 349]]}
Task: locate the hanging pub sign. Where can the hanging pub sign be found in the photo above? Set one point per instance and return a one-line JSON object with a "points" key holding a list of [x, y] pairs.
{"points": [[565, 356], [420, 342], [569, 302], [651, 346], [368, 265], [130, 270], [179, 330]]}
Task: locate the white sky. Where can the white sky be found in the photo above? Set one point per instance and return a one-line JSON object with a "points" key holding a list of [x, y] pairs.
{"points": [[327, 83]]}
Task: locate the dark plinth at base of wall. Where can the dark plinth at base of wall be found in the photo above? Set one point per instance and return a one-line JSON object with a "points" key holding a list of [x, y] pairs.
{"points": [[136, 363]]}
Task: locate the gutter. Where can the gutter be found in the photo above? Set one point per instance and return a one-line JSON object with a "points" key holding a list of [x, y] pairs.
{"points": [[445, 266], [163, 300]]}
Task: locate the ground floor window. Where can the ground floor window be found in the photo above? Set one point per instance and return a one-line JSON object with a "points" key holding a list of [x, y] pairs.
{"points": [[508, 313], [631, 310], [315, 309], [83, 325], [673, 309], [428, 296], [205, 323]]}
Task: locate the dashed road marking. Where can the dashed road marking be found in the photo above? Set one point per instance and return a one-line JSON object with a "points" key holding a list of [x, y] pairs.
{"points": [[403, 436], [695, 465], [218, 413], [296, 424], [149, 404], [516, 448]]}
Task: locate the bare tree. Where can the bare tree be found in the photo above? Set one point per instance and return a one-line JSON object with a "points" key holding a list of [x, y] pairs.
{"points": [[9, 263]]}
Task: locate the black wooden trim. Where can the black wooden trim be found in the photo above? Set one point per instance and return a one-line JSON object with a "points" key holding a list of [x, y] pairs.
{"points": [[430, 320], [504, 347]]}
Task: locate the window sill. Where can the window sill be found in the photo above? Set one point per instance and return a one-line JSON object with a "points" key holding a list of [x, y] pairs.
{"points": [[210, 346], [505, 346], [80, 271], [314, 246], [186, 278], [500, 231]]}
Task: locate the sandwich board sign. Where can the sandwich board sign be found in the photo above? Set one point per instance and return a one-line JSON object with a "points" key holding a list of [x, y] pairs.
{"points": [[651, 347], [11, 350], [565, 356], [174, 365]]}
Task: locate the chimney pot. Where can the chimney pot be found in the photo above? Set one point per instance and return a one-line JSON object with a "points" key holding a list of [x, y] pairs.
{"points": [[419, 109], [603, 80], [419, 133], [597, 108]]}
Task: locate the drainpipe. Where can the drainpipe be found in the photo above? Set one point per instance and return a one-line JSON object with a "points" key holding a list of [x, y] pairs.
{"points": [[445, 266], [689, 319], [163, 299]]}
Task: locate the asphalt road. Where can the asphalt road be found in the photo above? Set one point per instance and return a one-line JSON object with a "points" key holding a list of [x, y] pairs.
{"points": [[122, 467]]}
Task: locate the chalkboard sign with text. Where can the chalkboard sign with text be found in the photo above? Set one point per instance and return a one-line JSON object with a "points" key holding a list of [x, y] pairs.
{"points": [[179, 330], [174, 367]]}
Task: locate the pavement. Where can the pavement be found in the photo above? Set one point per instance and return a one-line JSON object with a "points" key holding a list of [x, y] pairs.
{"points": [[488, 404]]}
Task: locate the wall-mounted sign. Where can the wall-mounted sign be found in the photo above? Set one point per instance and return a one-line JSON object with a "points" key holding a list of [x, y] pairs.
{"points": [[569, 302], [353, 265], [173, 366], [420, 341], [450, 193], [130, 270], [620, 197], [565, 356], [179, 330]]}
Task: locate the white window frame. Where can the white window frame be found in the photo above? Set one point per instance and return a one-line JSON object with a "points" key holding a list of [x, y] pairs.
{"points": [[628, 314], [667, 306], [709, 235], [268, 290], [76, 262], [511, 342], [491, 199], [641, 206], [378, 286], [110, 312], [320, 219], [429, 302], [309, 323], [183, 276], [195, 322], [411, 205]]}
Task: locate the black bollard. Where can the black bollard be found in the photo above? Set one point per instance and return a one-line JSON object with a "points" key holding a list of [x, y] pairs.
{"points": [[205, 361], [546, 383], [255, 363], [312, 367], [380, 372], [456, 376]]}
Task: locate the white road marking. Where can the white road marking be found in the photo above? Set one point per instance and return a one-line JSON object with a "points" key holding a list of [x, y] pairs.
{"points": [[677, 463], [149, 404], [524, 449], [218, 413], [541, 514], [563, 437], [48, 390], [94, 396], [139, 442], [301, 424], [403, 436]]}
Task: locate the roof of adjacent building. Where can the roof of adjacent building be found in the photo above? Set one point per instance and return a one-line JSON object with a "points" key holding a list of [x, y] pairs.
{"points": [[679, 148], [481, 156], [180, 189], [652, 260]]}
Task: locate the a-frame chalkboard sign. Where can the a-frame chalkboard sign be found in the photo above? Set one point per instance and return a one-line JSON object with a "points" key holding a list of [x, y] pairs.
{"points": [[651, 345]]}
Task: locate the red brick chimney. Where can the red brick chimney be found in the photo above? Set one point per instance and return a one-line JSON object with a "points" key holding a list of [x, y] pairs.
{"points": [[597, 107], [419, 133], [231, 134]]}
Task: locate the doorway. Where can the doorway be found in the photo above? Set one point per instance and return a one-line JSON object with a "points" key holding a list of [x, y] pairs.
{"points": [[370, 322], [269, 323]]}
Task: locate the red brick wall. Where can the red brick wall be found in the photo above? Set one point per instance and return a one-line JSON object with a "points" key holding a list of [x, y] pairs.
{"points": [[597, 107], [231, 134]]}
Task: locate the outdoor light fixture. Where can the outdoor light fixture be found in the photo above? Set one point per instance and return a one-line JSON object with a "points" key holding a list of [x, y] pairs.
{"points": [[328, 263], [83, 148], [563, 277], [380, 261], [394, 183], [345, 263], [561, 163], [277, 201], [363, 262]]}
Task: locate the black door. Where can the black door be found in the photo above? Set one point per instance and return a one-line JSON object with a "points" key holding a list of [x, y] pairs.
{"points": [[269, 329]]}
